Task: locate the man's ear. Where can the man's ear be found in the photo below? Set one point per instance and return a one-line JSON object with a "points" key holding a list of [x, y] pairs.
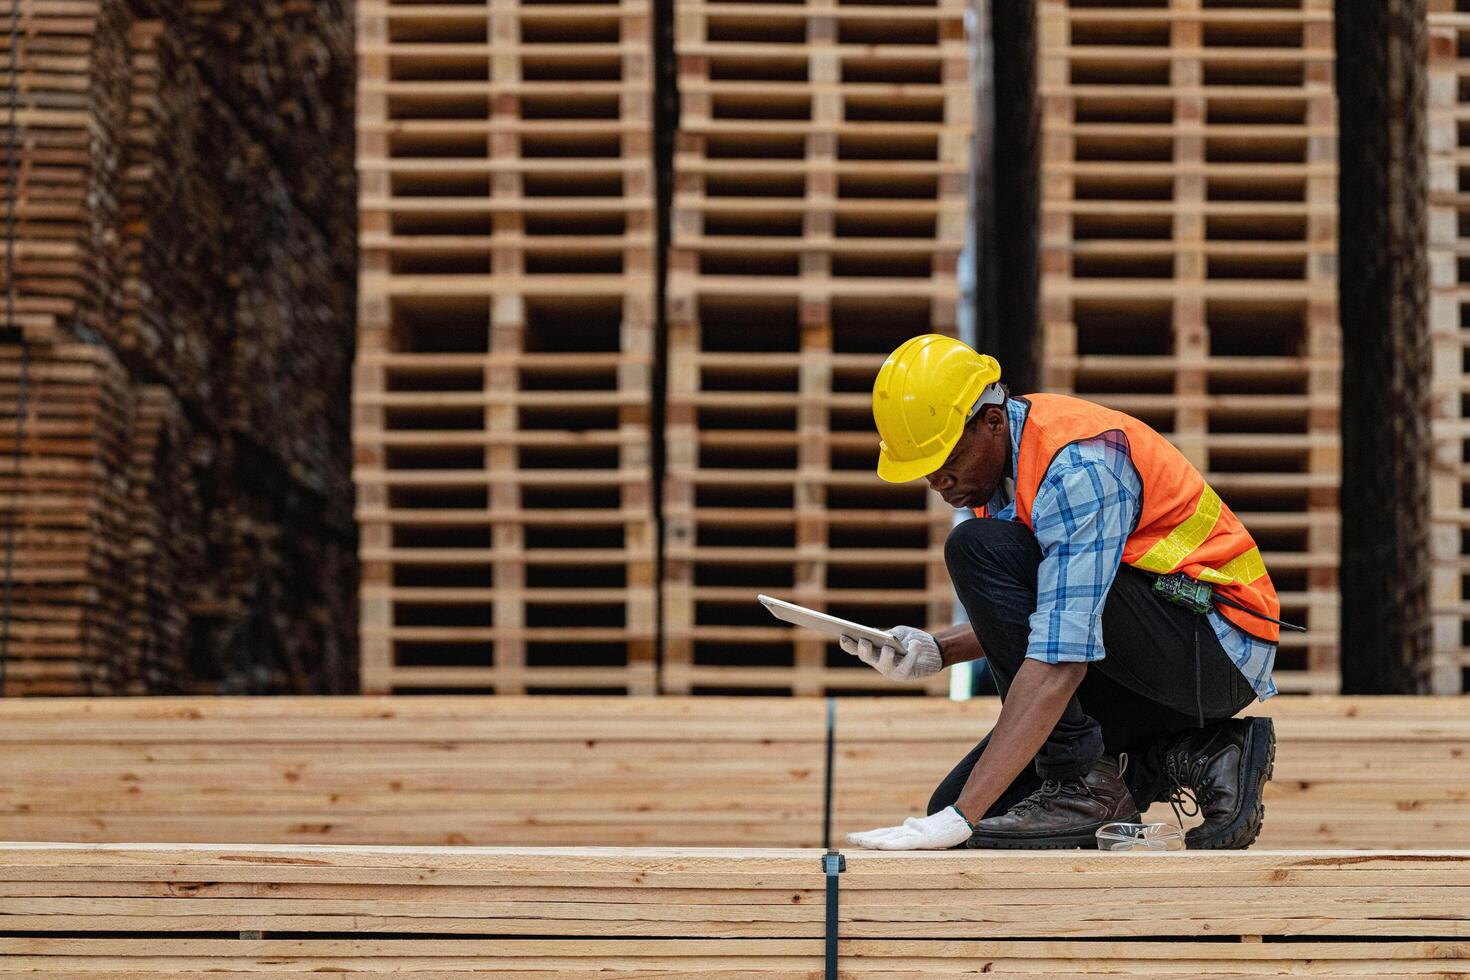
{"points": [[995, 417]]}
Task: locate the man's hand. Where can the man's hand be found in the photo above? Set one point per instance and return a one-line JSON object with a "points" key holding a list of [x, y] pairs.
{"points": [[944, 829], [918, 657]]}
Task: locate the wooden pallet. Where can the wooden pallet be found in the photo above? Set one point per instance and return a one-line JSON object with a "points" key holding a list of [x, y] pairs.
{"points": [[1189, 263], [1350, 772], [819, 208], [503, 385], [1449, 247], [146, 910]]}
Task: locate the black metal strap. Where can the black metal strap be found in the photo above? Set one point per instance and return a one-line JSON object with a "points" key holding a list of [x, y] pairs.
{"points": [[827, 775], [833, 864]]}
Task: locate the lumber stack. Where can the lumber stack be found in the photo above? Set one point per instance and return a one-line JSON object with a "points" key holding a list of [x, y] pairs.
{"points": [[1189, 261], [184, 204], [1383, 773], [502, 389], [166, 547], [1449, 247], [71, 95], [1377, 772], [819, 209], [171, 222], [385, 770], [69, 540], [284, 67], [166, 909]]}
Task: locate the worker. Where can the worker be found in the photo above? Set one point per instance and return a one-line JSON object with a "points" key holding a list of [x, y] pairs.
{"points": [[1082, 575]]}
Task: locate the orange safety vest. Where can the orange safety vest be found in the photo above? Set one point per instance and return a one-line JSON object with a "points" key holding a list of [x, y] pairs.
{"points": [[1183, 525]]}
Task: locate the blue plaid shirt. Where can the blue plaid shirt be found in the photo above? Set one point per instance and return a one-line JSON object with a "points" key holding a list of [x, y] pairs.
{"points": [[1087, 505]]}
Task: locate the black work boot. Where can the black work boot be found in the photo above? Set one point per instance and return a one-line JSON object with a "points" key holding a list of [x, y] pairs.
{"points": [[1063, 812], [1225, 768]]}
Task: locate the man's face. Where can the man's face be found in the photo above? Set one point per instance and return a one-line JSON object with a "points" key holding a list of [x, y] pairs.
{"points": [[973, 470]]}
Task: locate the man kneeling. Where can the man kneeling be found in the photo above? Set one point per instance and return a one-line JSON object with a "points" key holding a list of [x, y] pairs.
{"points": [[1089, 525]]}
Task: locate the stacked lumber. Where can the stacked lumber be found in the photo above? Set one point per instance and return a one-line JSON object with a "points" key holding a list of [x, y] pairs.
{"points": [[66, 535], [1376, 772], [505, 346], [386, 770], [285, 68], [236, 296], [166, 543], [1383, 773], [1449, 246], [71, 73], [1189, 261], [276, 613], [184, 202], [819, 209], [171, 222], [148, 910]]}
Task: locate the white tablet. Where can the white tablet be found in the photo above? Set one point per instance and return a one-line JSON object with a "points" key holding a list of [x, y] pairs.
{"points": [[790, 612]]}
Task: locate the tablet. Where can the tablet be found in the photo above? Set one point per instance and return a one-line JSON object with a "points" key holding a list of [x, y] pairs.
{"points": [[790, 612]]}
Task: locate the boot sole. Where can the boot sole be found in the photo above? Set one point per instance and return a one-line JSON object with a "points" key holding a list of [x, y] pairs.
{"points": [[1241, 832], [1085, 841]]}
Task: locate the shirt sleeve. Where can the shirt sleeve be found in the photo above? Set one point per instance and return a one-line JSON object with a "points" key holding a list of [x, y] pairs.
{"points": [[1082, 515]]}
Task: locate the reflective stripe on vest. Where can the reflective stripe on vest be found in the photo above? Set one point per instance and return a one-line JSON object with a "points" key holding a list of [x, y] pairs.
{"points": [[1183, 525]]}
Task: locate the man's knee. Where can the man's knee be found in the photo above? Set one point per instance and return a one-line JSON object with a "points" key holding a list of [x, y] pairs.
{"points": [[993, 546]]}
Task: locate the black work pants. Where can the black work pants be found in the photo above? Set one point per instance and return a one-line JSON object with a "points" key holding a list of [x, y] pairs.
{"points": [[1164, 671]]}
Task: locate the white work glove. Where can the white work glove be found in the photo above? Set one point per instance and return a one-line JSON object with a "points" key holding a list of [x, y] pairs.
{"points": [[919, 656], [944, 829]]}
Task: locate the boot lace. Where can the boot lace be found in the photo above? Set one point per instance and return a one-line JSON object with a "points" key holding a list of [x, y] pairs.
{"points": [[1185, 773], [1050, 790]]}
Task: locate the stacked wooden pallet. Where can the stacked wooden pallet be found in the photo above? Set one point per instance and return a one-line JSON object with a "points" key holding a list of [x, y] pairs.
{"points": [[1449, 252], [503, 383], [158, 910], [66, 548], [819, 209], [1189, 276], [1350, 772]]}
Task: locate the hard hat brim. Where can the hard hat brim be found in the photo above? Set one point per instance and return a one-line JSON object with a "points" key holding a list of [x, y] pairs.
{"points": [[894, 471]]}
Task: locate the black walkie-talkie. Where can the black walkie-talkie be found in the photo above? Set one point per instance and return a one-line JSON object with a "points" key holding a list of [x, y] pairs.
{"points": [[1200, 597]]}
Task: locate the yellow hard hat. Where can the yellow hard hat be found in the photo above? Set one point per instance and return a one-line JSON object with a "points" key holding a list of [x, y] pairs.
{"points": [[924, 394]]}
